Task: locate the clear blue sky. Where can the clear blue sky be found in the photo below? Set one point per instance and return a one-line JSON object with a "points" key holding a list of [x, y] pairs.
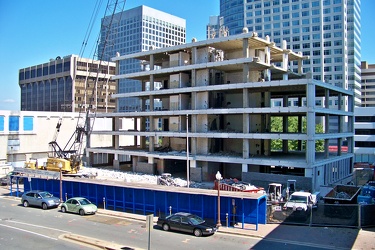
{"points": [[33, 31]]}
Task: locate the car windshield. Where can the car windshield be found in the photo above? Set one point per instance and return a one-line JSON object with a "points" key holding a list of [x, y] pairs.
{"points": [[46, 195], [195, 220], [298, 199], [84, 202]]}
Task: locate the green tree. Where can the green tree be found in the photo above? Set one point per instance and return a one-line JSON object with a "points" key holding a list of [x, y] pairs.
{"points": [[277, 126]]}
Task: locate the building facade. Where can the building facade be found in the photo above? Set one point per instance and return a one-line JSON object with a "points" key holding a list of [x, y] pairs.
{"points": [[328, 31], [364, 134], [26, 135], [135, 30], [68, 84], [217, 115], [368, 84]]}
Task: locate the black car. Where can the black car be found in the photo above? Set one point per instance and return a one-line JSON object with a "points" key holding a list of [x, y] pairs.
{"points": [[188, 223]]}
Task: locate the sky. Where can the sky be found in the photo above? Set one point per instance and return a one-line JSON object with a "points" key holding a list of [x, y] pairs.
{"points": [[33, 31]]}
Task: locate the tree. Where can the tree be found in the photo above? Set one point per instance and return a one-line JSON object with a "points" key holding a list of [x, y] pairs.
{"points": [[277, 126]]}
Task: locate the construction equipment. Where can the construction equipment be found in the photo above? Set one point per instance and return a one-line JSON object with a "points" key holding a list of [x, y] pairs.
{"points": [[235, 185], [274, 193], [68, 159]]}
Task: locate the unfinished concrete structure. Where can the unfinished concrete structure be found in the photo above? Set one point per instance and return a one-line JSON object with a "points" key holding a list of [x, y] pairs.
{"points": [[216, 115]]}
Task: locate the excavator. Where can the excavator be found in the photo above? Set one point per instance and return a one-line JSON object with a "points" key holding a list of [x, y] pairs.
{"points": [[68, 159]]}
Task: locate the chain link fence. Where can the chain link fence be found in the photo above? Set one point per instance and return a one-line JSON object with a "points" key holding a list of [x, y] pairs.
{"points": [[343, 215]]}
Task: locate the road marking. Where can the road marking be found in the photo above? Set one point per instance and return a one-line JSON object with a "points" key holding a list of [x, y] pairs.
{"points": [[27, 224], [27, 231]]}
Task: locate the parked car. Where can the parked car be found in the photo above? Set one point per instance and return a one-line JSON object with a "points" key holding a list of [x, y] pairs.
{"points": [[79, 205], [39, 198], [188, 223], [5, 180]]}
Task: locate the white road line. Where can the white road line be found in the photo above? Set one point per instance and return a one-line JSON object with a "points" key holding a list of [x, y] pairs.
{"points": [[27, 231], [23, 223]]}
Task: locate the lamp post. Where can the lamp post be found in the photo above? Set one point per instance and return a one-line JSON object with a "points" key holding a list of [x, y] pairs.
{"points": [[218, 178], [60, 167]]}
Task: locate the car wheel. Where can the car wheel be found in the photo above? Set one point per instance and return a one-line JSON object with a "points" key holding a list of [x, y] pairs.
{"points": [[44, 206], [197, 232], [25, 203], [81, 212], [63, 209], [165, 227]]}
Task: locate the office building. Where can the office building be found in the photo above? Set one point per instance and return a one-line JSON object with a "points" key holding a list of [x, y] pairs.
{"points": [[368, 84], [328, 31], [68, 84], [217, 115], [135, 30]]}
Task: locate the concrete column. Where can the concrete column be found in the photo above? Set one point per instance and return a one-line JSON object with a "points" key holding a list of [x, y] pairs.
{"points": [[285, 125], [245, 167], [245, 48], [310, 123], [135, 127]]}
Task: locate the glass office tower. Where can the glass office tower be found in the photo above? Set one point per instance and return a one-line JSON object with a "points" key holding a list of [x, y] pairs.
{"points": [[328, 31], [135, 30]]}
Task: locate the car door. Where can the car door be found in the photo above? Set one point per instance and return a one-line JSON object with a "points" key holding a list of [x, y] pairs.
{"points": [[31, 198], [74, 206], [185, 225], [174, 223], [38, 200]]}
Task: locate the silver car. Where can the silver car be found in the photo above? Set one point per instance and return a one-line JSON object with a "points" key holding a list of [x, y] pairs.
{"points": [[39, 198]]}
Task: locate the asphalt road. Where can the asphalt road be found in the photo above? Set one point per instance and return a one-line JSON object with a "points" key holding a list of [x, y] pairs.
{"points": [[34, 228]]}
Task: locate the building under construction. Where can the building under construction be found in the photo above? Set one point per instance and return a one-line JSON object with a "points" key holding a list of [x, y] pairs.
{"points": [[219, 114]]}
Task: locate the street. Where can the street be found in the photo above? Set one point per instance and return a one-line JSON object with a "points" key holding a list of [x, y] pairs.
{"points": [[30, 228]]}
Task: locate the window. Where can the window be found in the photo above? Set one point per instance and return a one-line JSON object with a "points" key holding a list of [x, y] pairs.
{"points": [[305, 29], [316, 53], [276, 25], [305, 21], [328, 60], [14, 123], [316, 44], [316, 61], [28, 123], [306, 37], [327, 52], [306, 45], [315, 20], [295, 22], [1, 123], [327, 44], [315, 28]]}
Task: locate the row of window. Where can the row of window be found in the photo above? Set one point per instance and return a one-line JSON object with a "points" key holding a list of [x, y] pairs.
{"points": [[260, 3], [14, 123], [284, 9]]}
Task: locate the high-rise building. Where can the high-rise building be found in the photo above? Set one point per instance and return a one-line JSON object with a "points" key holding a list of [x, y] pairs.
{"points": [[68, 84], [368, 84], [328, 31], [136, 30]]}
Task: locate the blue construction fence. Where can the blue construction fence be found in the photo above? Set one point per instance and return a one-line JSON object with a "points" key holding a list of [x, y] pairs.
{"points": [[234, 209]]}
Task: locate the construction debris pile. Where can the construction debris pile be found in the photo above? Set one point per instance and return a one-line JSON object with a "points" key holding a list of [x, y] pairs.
{"points": [[112, 175]]}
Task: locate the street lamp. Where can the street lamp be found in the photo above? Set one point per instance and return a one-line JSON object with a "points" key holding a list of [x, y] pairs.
{"points": [[60, 167], [218, 178]]}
